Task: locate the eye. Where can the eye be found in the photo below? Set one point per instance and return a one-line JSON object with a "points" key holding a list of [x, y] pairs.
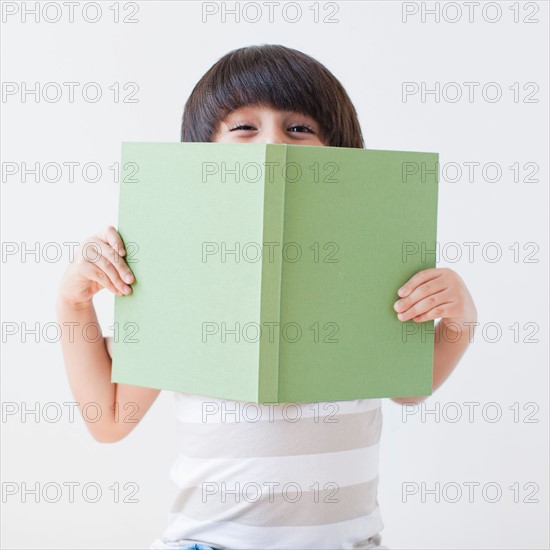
{"points": [[302, 127], [242, 127]]}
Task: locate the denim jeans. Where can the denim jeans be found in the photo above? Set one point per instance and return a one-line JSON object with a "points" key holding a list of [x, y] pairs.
{"points": [[197, 546], [373, 543]]}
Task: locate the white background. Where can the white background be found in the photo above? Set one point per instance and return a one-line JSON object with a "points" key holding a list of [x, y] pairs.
{"points": [[372, 51]]}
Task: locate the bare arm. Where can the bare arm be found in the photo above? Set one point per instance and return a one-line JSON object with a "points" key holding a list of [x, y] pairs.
{"points": [[439, 293], [110, 410], [447, 354]]}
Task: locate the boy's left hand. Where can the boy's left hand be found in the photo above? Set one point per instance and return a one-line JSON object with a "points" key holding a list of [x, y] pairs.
{"points": [[436, 293]]}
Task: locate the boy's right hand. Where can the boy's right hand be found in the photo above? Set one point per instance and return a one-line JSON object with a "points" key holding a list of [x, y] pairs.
{"points": [[98, 264]]}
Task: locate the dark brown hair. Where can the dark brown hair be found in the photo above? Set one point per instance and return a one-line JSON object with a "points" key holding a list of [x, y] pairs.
{"points": [[275, 76]]}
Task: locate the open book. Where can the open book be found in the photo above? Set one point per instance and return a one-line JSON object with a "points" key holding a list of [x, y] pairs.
{"points": [[268, 273]]}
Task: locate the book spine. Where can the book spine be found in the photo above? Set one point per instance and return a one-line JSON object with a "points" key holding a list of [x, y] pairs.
{"points": [[272, 244]]}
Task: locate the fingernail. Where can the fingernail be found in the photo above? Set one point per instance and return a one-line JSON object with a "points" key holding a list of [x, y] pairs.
{"points": [[128, 277], [127, 289], [397, 305]]}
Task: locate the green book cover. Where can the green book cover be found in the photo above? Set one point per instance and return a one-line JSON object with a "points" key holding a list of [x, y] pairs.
{"points": [[268, 273]]}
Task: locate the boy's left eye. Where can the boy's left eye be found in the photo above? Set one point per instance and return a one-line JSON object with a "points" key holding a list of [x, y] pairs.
{"points": [[303, 127]]}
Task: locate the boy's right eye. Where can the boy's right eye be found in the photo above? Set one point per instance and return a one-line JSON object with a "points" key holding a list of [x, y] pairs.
{"points": [[242, 127]]}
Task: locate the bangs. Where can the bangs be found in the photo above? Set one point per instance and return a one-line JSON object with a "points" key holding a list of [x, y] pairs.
{"points": [[273, 76]]}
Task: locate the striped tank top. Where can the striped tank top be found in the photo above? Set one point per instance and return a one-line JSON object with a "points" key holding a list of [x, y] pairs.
{"points": [[293, 475]]}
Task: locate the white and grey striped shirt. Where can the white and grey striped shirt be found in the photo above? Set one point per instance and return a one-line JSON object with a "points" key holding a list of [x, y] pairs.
{"points": [[295, 475]]}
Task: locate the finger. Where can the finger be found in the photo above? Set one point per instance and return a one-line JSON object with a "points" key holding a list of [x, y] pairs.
{"points": [[106, 262], [94, 273], [111, 236], [440, 312], [433, 302], [106, 251], [109, 269], [418, 279], [433, 286]]}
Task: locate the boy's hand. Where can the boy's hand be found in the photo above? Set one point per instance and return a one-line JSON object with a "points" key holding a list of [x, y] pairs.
{"points": [[436, 293], [98, 264]]}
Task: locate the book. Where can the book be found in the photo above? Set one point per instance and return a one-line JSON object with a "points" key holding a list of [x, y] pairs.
{"points": [[267, 273]]}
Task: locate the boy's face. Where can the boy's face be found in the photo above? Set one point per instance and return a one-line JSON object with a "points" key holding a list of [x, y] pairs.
{"points": [[261, 124]]}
